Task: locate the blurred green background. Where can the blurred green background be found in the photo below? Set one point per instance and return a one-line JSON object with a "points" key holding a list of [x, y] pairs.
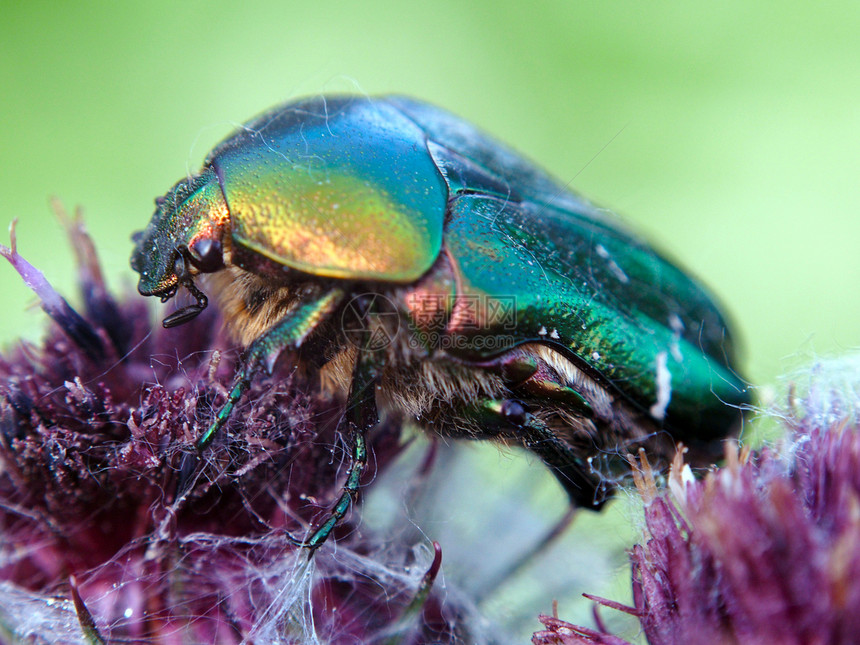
{"points": [[728, 133]]}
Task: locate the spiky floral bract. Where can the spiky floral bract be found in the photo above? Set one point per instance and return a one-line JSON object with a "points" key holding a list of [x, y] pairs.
{"points": [[114, 529], [763, 550]]}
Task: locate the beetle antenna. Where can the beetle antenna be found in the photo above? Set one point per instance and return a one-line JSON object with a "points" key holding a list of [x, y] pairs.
{"points": [[202, 300], [190, 312]]}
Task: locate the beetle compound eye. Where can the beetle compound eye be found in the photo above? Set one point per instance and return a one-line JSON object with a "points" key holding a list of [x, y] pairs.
{"points": [[206, 255]]}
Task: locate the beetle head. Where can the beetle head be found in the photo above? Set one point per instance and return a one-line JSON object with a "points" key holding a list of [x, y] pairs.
{"points": [[182, 240]]}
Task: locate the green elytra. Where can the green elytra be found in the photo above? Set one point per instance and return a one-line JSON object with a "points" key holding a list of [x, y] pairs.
{"points": [[580, 339]]}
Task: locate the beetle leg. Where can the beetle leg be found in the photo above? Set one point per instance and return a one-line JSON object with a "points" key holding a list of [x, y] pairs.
{"points": [[510, 419], [289, 332], [360, 416], [527, 373], [583, 484]]}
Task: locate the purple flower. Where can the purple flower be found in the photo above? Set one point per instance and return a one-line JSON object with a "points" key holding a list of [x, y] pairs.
{"points": [[763, 550], [113, 529]]}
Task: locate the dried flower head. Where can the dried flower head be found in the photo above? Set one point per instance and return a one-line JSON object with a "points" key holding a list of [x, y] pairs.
{"points": [[113, 530], [764, 550]]}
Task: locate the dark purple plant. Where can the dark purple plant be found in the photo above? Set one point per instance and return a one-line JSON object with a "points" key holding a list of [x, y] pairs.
{"points": [[113, 529], [764, 550]]}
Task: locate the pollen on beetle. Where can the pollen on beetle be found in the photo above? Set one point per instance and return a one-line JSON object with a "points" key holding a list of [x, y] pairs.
{"points": [[664, 387]]}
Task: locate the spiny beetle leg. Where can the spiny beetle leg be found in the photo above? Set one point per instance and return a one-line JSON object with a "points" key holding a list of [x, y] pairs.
{"points": [[574, 472], [511, 419], [288, 333], [361, 415], [349, 495]]}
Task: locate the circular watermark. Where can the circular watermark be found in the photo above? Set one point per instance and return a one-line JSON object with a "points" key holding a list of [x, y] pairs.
{"points": [[370, 314]]}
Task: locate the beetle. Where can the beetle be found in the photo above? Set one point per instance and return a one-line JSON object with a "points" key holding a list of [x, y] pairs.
{"points": [[509, 307]]}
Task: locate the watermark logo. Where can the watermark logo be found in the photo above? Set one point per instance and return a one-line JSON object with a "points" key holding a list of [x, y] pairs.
{"points": [[483, 313], [477, 342], [466, 322], [370, 313]]}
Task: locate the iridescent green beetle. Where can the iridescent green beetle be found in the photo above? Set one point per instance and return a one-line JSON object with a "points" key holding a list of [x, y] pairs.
{"points": [[448, 280]]}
